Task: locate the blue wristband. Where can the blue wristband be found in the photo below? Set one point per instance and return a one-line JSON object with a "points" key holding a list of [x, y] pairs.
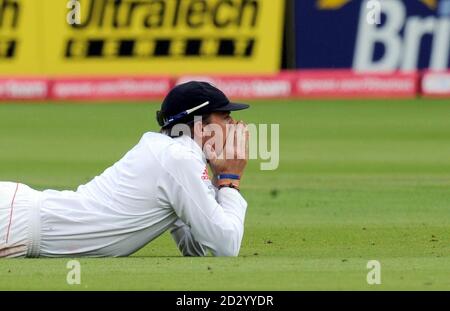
{"points": [[228, 176]]}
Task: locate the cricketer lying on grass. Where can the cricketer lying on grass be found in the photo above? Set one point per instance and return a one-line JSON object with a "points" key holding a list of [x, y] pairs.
{"points": [[161, 184]]}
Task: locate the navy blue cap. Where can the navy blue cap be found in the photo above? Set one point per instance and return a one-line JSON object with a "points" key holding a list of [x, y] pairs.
{"points": [[194, 98]]}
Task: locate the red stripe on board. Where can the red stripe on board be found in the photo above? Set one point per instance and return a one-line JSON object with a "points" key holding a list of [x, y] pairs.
{"points": [[11, 214]]}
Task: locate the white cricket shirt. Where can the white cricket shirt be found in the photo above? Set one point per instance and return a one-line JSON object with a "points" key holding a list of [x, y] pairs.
{"points": [[158, 185]]}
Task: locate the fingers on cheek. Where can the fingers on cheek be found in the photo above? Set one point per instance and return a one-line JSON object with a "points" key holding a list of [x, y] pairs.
{"points": [[210, 153]]}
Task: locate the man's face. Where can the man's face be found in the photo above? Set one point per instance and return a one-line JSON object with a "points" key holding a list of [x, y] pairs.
{"points": [[215, 132]]}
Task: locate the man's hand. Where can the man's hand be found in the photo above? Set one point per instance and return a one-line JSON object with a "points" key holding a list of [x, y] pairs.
{"points": [[234, 156]]}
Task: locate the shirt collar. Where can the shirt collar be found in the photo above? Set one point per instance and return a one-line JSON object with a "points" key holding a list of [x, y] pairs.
{"points": [[189, 142]]}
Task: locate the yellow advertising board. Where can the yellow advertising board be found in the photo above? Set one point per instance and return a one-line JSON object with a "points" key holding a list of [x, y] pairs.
{"points": [[163, 37], [20, 51]]}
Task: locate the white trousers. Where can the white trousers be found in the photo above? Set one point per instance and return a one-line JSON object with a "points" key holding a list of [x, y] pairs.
{"points": [[19, 220]]}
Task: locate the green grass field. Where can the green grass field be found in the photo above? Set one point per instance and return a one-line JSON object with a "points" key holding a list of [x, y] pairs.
{"points": [[358, 180]]}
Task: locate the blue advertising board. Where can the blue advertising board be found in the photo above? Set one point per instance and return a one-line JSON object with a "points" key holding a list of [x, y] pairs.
{"points": [[372, 35]]}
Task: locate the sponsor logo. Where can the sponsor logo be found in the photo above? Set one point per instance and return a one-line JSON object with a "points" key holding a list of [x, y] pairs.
{"points": [[401, 36], [436, 84], [248, 87], [23, 89], [205, 175], [145, 18], [110, 88]]}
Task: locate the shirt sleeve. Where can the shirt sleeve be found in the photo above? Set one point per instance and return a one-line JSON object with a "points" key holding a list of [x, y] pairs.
{"points": [[215, 222], [186, 243]]}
